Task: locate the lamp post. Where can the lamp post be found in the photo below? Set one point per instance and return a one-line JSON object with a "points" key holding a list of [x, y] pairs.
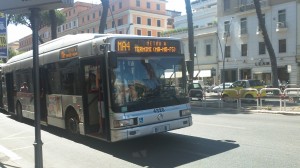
{"points": [[128, 28], [223, 56]]}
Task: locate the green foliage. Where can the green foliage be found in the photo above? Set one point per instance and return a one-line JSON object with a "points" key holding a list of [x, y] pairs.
{"points": [[24, 19], [11, 53]]}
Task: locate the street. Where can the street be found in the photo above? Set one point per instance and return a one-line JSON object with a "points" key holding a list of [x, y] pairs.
{"points": [[218, 138]]}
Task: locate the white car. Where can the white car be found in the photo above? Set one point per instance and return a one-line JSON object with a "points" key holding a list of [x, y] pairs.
{"points": [[219, 88]]}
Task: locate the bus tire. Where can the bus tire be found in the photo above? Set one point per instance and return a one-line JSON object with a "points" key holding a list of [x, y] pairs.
{"points": [[72, 121], [19, 112]]}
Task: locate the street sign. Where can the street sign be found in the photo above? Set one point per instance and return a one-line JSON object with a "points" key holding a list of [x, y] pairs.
{"points": [[24, 6], [3, 36]]}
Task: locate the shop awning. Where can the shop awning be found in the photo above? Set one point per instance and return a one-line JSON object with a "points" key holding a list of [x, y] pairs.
{"points": [[205, 73]]}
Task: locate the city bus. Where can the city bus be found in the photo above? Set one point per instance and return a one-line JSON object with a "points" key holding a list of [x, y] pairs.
{"points": [[110, 87]]}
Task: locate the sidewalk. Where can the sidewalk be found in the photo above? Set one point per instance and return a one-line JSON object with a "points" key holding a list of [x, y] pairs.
{"points": [[276, 110]]}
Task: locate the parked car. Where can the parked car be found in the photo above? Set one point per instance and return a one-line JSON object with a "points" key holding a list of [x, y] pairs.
{"points": [[219, 88], [195, 92], [240, 87]]}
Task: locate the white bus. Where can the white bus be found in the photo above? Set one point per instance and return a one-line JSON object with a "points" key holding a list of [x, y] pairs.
{"points": [[110, 87]]}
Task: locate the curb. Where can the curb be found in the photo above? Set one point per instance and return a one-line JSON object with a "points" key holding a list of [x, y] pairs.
{"points": [[254, 111]]}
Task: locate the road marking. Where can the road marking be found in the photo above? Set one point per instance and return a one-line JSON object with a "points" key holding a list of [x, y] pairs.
{"points": [[9, 153], [12, 135], [216, 125]]}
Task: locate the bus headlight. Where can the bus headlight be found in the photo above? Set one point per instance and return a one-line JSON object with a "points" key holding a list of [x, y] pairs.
{"points": [[124, 123], [185, 112]]}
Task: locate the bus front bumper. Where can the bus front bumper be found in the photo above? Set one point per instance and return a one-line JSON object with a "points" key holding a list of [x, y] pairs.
{"points": [[130, 133]]}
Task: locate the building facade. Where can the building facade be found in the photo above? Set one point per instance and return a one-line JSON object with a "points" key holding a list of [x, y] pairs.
{"points": [[245, 54], [139, 17], [205, 39]]}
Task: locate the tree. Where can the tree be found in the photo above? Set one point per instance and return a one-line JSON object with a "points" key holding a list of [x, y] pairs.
{"points": [[48, 18], [268, 44], [105, 6], [11, 53], [189, 14]]}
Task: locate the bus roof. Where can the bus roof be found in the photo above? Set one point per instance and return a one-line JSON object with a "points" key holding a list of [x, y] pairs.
{"points": [[78, 44], [69, 40]]}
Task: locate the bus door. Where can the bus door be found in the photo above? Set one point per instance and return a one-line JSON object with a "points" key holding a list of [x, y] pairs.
{"points": [[10, 92], [43, 105], [93, 98]]}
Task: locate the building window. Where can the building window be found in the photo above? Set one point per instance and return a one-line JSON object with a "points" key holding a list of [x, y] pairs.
{"points": [[120, 32], [227, 28], [120, 6], [226, 5], [149, 22], [158, 34], [243, 26], [263, 20], [82, 19], [158, 23], [157, 6], [281, 16], [148, 5], [94, 30], [94, 15], [262, 48], [208, 50], [88, 31], [244, 48], [139, 32], [138, 3], [74, 23], [282, 46], [227, 52], [99, 13], [138, 20], [88, 17], [149, 33], [120, 22], [113, 8], [69, 13]]}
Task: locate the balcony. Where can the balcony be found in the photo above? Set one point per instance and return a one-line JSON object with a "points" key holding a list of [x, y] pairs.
{"points": [[244, 7], [281, 26]]}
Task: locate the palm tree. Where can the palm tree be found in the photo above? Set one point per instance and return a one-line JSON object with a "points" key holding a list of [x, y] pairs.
{"points": [[268, 44], [105, 6], [190, 38]]}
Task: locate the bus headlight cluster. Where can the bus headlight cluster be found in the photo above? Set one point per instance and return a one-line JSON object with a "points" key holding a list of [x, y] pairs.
{"points": [[185, 112], [124, 123]]}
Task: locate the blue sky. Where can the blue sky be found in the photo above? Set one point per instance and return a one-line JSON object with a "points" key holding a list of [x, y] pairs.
{"points": [[14, 33]]}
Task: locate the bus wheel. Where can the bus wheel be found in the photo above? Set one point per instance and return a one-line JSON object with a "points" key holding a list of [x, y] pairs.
{"points": [[72, 123], [19, 112]]}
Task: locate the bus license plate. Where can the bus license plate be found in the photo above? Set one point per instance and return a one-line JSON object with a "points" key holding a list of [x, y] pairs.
{"points": [[162, 128]]}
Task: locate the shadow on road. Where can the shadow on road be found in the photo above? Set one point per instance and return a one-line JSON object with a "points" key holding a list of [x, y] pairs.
{"points": [[160, 150]]}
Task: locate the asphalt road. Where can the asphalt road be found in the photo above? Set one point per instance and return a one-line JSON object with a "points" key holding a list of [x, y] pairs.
{"points": [[218, 138]]}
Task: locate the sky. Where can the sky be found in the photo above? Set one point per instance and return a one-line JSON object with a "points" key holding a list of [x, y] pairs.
{"points": [[14, 33]]}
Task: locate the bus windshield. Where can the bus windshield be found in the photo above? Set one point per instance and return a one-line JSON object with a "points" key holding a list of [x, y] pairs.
{"points": [[140, 83]]}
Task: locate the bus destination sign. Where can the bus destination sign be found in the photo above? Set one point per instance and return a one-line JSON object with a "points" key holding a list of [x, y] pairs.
{"points": [[147, 46], [68, 52]]}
